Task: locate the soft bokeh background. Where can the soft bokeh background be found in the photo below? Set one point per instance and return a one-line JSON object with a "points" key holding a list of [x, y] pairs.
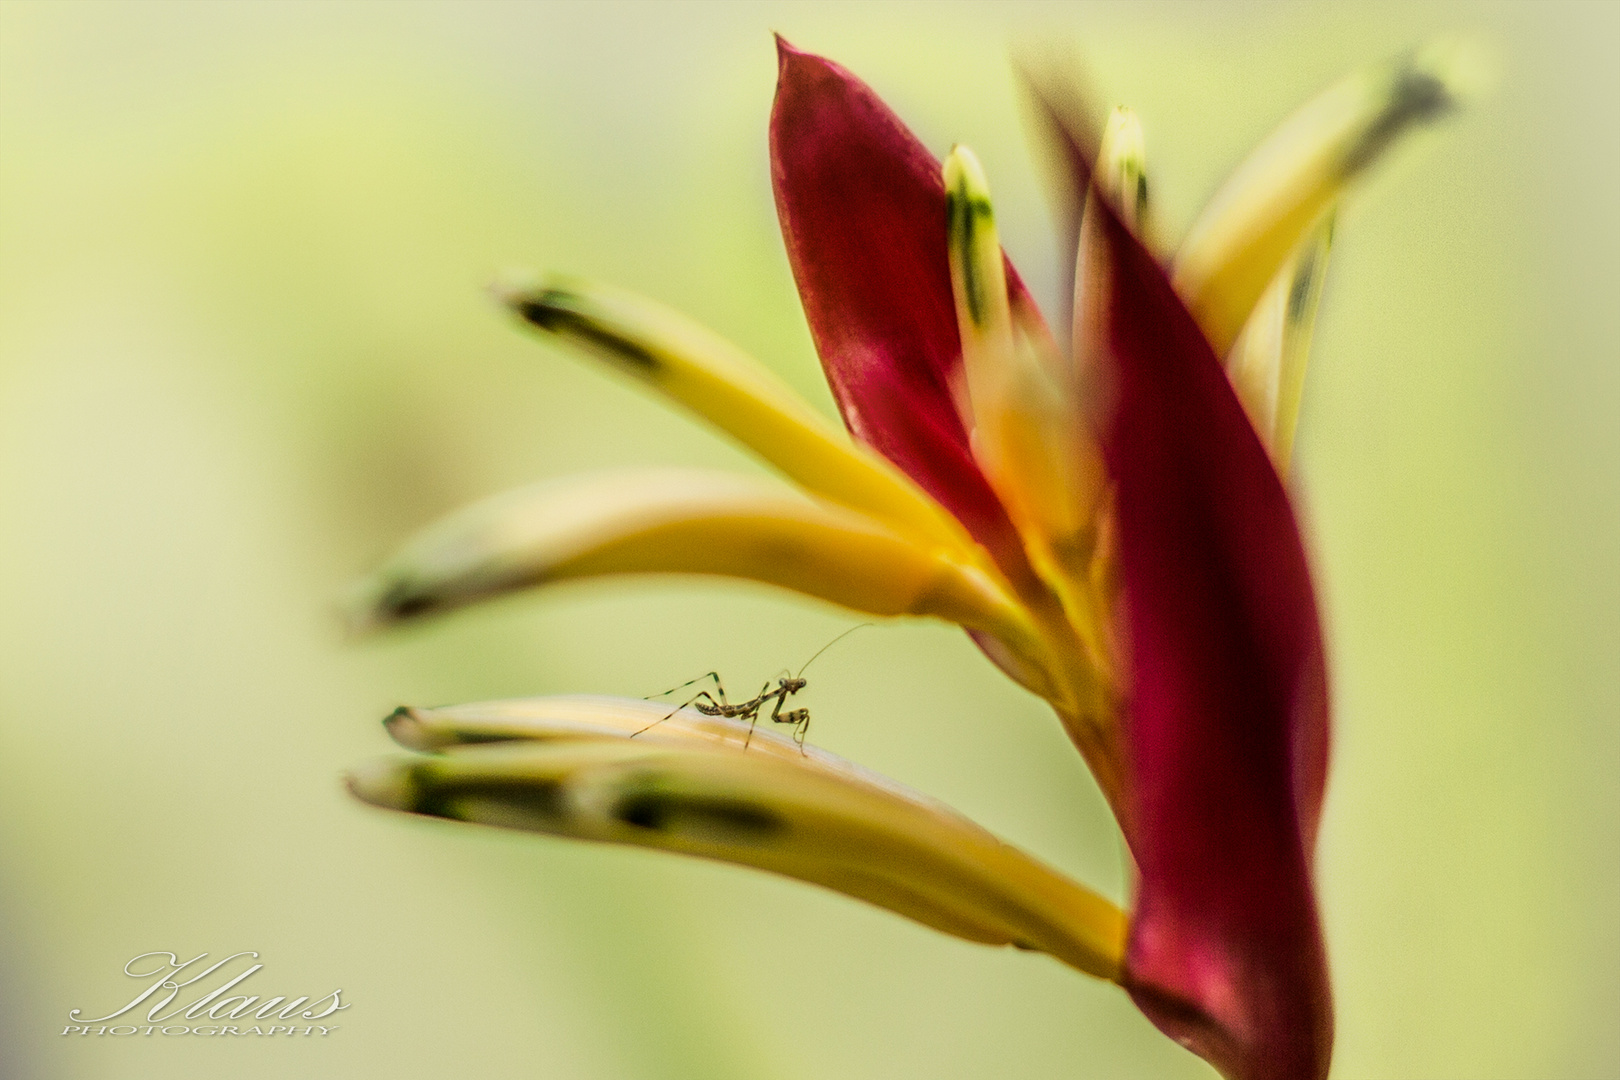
{"points": [[243, 350]]}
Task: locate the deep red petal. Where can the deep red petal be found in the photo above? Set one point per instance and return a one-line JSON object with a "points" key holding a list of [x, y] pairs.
{"points": [[862, 208], [1227, 723]]}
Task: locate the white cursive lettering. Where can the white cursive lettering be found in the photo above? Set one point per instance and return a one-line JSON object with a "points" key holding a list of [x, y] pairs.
{"points": [[166, 976]]}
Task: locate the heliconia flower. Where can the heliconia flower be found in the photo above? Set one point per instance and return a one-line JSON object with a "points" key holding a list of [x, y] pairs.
{"points": [[1107, 517]]}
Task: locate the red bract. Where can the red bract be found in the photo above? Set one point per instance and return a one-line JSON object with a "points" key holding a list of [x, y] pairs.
{"points": [[862, 209], [1228, 713], [1224, 709]]}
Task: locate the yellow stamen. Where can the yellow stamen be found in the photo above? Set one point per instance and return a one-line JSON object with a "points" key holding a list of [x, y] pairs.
{"points": [[1025, 435], [1028, 435]]}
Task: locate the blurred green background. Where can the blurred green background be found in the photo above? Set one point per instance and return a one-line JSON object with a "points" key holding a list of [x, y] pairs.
{"points": [[244, 350]]}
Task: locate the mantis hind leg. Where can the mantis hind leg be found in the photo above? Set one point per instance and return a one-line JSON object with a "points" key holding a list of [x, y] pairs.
{"points": [[719, 688], [719, 706], [714, 708]]}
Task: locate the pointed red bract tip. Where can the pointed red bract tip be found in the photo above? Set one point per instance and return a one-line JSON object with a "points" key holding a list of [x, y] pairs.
{"points": [[784, 50]]}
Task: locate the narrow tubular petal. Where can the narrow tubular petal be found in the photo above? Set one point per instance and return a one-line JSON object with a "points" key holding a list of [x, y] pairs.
{"points": [[837, 827], [690, 522], [1028, 433], [1227, 726], [1281, 192], [735, 393], [1267, 363], [1024, 433], [862, 210], [1298, 324], [669, 717], [563, 717], [1122, 170]]}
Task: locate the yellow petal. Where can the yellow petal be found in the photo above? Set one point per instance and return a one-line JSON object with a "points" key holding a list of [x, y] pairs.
{"points": [[735, 393], [574, 717], [1025, 432], [804, 818], [1267, 363], [565, 717], [1285, 187], [684, 521]]}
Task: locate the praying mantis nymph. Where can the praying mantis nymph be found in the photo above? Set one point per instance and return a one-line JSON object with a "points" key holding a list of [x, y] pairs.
{"points": [[716, 703]]}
